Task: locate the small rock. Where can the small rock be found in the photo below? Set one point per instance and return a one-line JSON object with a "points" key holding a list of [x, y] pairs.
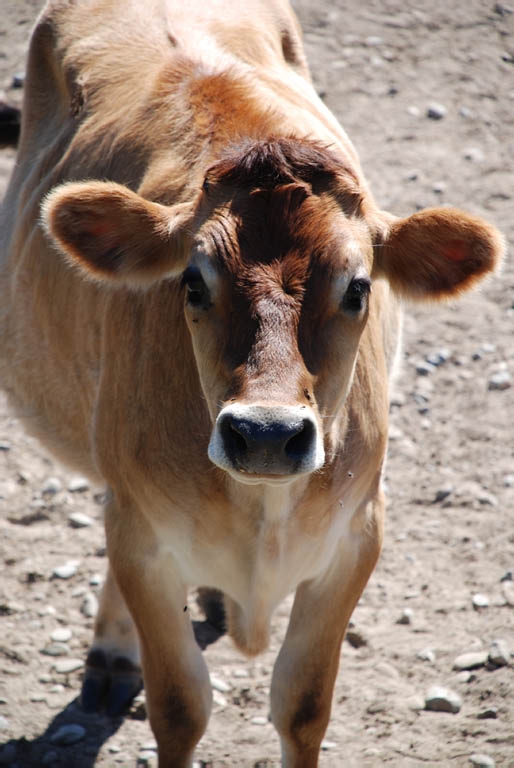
{"points": [[18, 80], [67, 570], [500, 381], [61, 635], [413, 111], [240, 672], [66, 666], [220, 685], [89, 606], [372, 41], [356, 638], [327, 745], [439, 187], [78, 484], [51, 486], [38, 697], [5, 445], [57, 688], [219, 699], [55, 649], [470, 660], [259, 720], [426, 654], [474, 155], [147, 760], [439, 699], [4, 723], [68, 734], [425, 369], [114, 749], [508, 592], [405, 617], [80, 520], [150, 746], [436, 111], [499, 653], [507, 576], [491, 713], [482, 761], [96, 580], [439, 357], [480, 601], [442, 493]]}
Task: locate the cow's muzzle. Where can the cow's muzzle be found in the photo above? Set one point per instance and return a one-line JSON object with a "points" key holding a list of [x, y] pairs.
{"points": [[264, 441]]}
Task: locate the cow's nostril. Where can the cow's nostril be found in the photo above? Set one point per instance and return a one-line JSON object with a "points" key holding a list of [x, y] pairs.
{"points": [[298, 445], [234, 442]]}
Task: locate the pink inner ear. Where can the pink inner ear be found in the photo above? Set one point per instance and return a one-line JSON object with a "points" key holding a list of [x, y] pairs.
{"points": [[99, 228], [455, 250]]}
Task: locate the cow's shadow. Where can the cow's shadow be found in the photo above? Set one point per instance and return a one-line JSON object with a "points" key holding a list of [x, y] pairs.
{"points": [[25, 753]]}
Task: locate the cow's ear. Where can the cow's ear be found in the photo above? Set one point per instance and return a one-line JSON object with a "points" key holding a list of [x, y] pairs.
{"points": [[436, 253], [115, 235]]}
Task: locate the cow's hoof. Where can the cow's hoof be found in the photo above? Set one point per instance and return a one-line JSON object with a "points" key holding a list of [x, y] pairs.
{"points": [[112, 684]]}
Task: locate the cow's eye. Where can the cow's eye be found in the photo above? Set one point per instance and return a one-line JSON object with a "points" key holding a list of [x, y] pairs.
{"points": [[197, 291], [356, 296]]}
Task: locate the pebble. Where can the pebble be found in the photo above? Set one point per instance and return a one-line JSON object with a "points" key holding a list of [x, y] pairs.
{"points": [[147, 759], [470, 660], [326, 745], [89, 606], [219, 699], [37, 697], [78, 484], [413, 111], [67, 570], [220, 685], [4, 723], [426, 654], [96, 580], [61, 635], [482, 761], [5, 445], [491, 713], [507, 576], [405, 617], [80, 520], [436, 111], [240, 672], [439, 357], [500, 381], [259, 720], [439, 699], [66, 666], [439, 187], [55, 649], [474, 155], [442, 493], [52, 485], [18, 80], [499, 653], [68, 734], [480, 601], [150, 746], [424, 369], [508, 592]]}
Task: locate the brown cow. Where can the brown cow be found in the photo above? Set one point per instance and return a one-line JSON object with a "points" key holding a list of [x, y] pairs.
{"points": [[200, 305]]}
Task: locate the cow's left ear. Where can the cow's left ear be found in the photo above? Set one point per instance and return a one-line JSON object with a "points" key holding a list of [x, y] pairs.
{"points": [[436, 253], [115, 235]]}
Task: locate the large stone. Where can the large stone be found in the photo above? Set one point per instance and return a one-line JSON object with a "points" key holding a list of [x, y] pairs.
{"points": [[439, 699]]}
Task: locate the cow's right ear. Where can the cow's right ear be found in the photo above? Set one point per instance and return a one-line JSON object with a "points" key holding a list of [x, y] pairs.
{"points": [[115, 235]]}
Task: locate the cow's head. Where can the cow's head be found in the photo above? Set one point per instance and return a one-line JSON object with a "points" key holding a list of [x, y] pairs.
{"points": [[276, 258]]}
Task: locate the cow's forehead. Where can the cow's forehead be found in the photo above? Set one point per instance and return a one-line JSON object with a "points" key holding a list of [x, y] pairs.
{"points": [[283, 229]]}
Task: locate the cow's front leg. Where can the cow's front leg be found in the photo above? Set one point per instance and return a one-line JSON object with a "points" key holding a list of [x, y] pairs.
{"points": [[178, 690], [306, 667]]}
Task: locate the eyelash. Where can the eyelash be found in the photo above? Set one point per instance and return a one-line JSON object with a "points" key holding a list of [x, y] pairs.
{"points": [[356, 296]]}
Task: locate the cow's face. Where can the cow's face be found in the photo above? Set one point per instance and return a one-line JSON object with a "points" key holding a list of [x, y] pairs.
{"points": [[276, 259], [276, 297]]}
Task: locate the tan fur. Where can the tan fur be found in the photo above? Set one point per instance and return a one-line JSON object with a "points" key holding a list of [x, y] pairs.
{"points": [[168, 134]]}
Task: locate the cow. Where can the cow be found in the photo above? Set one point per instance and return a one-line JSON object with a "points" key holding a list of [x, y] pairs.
{"points": [[200, 307]]}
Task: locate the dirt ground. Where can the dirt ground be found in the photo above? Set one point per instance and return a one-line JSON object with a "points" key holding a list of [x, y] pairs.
{"points": [[380, 65]]}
